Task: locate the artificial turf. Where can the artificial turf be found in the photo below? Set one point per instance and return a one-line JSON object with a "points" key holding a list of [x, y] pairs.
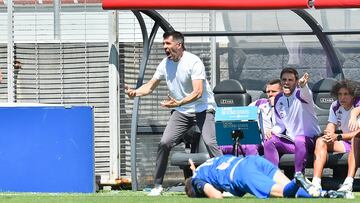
{"points": [[139, 197]]}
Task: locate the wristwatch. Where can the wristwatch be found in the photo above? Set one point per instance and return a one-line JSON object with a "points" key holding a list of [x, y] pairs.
{"points": [[339, 137]]}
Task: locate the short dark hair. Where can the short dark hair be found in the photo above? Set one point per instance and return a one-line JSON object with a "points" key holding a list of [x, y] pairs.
{"points": [[350, 85], [291, 71], [177, 36], [189, 188], [273, 82]]}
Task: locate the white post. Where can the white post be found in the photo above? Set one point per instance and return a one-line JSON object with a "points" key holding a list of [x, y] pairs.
{"points": [[114, 102], [57, 7], [213, 49], [10, 53]]}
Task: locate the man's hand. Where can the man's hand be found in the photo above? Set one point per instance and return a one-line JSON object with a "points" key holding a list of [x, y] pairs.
{"points": [[329, 136], [192, 165], [353, 124], [268, 135], [304, 79], [170, 103], [130, 91]]}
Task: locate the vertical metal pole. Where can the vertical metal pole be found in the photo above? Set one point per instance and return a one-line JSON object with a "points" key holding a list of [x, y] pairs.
{"points": [[114, 101], [213, 49], [57, 7], [147, 43], [134, 116], [347, 19], [334, 62], [249, 20], [10, 52]]}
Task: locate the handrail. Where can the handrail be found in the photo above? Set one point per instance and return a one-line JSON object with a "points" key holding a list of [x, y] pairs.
{"points": [[264, 33], [229, 4], [147, 44], [207, 4]]}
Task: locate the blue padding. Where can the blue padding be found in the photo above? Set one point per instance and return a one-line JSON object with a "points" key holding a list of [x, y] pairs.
{"points": [[250, 130], [236, 113], [47, 149], [242, 119]]}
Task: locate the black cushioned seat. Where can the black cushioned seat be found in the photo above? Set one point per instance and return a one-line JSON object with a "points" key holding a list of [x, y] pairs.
{"points": [[231, 93], [323, 99]]}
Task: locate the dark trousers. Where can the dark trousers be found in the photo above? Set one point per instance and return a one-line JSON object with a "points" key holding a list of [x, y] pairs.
{"points": [[176, 127]]}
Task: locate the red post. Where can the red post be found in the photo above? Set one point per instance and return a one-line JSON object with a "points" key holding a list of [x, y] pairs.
{"points": [[206, 4], [337, 4]]}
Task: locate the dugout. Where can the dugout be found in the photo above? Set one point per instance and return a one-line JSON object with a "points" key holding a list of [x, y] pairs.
{"points": [[249, 41]]}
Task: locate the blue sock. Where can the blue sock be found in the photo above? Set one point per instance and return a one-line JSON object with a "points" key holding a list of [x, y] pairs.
{"points": [[290, 189], [302, 193]]}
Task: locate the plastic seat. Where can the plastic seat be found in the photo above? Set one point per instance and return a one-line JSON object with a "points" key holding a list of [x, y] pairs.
{"points": [[231, 93], [323, 99]]}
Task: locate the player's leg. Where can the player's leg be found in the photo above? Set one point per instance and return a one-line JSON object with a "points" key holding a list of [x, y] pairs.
{"points": [[178, 124], [275, 146], [206, 123], [304, 146], [267, 178], [347, 185]]}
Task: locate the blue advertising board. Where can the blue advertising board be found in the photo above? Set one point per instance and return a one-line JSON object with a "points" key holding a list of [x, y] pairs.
{"points": [[47, 149], [236, 113], [230, 121]]}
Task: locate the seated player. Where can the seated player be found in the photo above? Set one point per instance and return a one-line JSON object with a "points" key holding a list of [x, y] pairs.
{"points": [[330, 141]]}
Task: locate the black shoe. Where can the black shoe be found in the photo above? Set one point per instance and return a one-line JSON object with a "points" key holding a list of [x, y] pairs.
{"points": [[338, 194], [334, 194], [303, 182]]}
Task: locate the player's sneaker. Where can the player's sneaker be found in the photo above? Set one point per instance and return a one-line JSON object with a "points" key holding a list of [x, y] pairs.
{"points": [[317, 184], [333, 194], [227, 194], [349, 195], [303, 182], [338, 194], [346, 187], [156, 191]]}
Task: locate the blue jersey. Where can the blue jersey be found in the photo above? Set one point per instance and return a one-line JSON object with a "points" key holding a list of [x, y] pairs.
{"points": [[237, 175]]}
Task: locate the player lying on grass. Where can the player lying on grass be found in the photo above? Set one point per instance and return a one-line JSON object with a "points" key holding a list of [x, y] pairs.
{"points": [[252, 174]]}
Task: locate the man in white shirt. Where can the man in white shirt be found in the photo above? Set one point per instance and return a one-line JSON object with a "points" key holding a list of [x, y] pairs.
{"points": [[190, 97], [331, 141], [295, 115]]}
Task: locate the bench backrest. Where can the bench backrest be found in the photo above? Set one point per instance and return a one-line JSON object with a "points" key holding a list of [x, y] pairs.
{"points": [[323, 99], [231, 93], [263, 94]]}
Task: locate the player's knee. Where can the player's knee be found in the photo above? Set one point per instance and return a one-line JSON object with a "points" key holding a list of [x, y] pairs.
{"points": [[320, 143], [165, 145], [211, 143], [268, 144], [300, 140]]}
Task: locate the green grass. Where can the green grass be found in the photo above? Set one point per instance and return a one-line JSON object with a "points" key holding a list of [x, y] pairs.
{"points": [[140, 197]]}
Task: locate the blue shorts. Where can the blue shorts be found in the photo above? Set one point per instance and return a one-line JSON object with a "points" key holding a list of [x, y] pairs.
{"points": [[254, 175]]}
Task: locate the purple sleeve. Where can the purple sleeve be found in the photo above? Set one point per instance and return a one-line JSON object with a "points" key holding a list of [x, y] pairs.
{"points": [[279, 126], [357, 102], [261, 101]]}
